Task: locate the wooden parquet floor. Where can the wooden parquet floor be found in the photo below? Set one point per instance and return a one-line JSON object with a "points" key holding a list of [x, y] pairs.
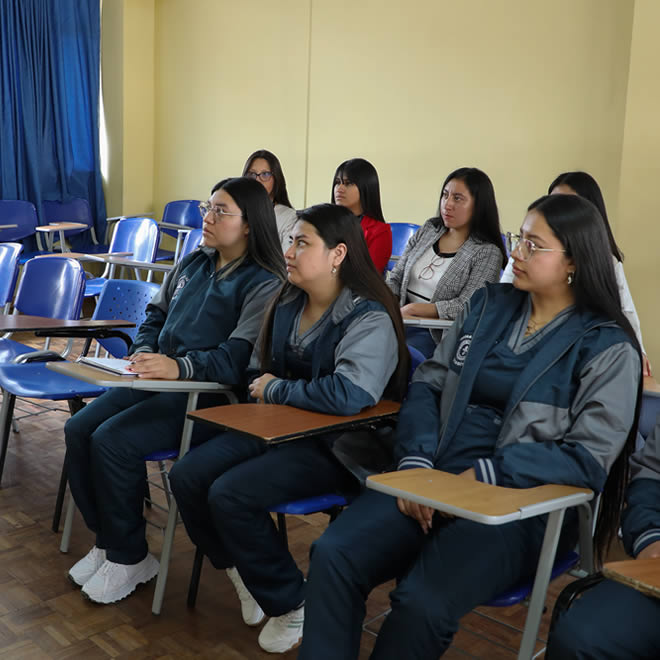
{"points": [[43, 616]]}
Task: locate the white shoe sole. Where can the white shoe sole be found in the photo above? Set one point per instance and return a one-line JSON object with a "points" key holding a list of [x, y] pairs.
{"points": [[146, 576], [286, 650]]}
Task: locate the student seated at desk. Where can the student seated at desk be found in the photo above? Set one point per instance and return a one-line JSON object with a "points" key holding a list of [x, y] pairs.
{"points": [[532, 385], [451, 256], [584, 185], [201, 325], [355, 186], [265, 167], [612, 621], [333, 342]]}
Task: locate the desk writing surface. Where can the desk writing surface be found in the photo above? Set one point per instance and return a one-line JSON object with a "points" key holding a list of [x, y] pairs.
{"points": [[640, 574], [651, 386], [27, 323], [276, 423], [421, 322], [467, 497], [61, 226]]}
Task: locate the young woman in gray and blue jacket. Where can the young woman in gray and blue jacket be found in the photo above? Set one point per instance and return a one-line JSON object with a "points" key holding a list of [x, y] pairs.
{"points": [[612, 621], [533, 384], [332, 342], [201, 325]]}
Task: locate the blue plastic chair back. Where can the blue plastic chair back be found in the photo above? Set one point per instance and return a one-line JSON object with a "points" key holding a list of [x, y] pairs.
{"points": [[76, 210], [139, 236], [416, 358], [648, 415], [9, 255], [19, 213], [401, 233], [192, 241], [52, 287], [184, 212], [127, 300]]}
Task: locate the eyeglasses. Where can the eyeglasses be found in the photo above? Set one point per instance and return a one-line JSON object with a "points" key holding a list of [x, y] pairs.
{"points": [[428, 272], [262, 176], [525, 247], [217, 211]]}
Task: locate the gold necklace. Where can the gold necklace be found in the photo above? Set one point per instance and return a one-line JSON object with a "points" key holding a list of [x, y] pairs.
{"points": [[534, 326]]}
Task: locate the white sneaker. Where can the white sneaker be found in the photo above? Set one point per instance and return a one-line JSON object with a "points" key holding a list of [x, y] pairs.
{"points": [[84, 569], [283, 633], [112, 581], [252, 613]]}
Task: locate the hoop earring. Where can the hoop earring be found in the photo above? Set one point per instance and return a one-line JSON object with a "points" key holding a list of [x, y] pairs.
{"points": [[570, 279]]}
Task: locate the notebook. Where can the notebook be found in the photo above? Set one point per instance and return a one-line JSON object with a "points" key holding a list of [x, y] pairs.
{"points": [[113, 365]]}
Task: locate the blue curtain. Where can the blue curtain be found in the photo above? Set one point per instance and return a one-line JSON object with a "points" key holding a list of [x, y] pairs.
{"points": [[49, 102]]}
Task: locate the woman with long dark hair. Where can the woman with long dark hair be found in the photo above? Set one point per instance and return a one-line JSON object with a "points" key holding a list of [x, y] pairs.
{"points": [[584, 185], [451, 256], [201, 325], [264, 166], [355, 186], [535, 383], [316, 352]]}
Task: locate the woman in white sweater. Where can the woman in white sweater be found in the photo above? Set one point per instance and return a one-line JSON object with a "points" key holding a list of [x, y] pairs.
{"points": [[584, 185], [265, 167]]}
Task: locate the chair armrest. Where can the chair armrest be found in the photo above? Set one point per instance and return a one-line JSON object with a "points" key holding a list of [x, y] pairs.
{"points": [[37, 356]]}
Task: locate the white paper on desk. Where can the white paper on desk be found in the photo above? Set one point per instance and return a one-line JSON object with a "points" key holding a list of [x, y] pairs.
{"points": [[113, 365]]}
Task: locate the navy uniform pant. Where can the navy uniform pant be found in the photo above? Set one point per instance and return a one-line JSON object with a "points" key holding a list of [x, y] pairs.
{"points": [[442, 576], [106, 443], [609, 622], [224, 490]]}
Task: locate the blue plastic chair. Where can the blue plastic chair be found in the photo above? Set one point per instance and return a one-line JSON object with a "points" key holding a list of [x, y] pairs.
{"points": [[401, 233], [191, 242], [183, 212], [139, 236], [9, 258], [75, 210], [24, 216], [50, 287], [120, 299]]}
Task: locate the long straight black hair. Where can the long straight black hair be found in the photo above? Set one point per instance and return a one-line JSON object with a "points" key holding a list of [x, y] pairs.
{"points": [[336, 224], [578, 225], [257, 209], [485, 221], [586, 186], [280, 194], [363, 174]]}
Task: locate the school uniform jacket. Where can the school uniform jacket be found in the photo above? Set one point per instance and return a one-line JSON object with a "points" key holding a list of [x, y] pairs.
{"points": [[569, 413], [208, 321], [640, 522], [475, 264]]}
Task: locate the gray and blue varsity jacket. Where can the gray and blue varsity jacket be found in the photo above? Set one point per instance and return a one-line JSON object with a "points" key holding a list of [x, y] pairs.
{"points": [[640, 522], [208, 321], [568, 416]]}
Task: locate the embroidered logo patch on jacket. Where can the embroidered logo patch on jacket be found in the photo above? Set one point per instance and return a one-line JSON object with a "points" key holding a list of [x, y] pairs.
{"points": [[183, 280], [462, 350]]}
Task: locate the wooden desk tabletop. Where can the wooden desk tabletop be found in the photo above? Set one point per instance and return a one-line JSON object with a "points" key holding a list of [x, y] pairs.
{"points": [[275, 423], [474, 500], [651, 386], [61, 226], [420, 322], [640, 574], [107, 379], [26, 323], [183, 229]]}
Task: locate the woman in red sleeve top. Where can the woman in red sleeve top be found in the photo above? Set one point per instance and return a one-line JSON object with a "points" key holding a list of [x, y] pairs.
{"points": [[356, 187]]}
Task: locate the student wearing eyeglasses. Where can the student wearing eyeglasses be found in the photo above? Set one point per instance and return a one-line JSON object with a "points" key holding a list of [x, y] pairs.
{"points": [[265, 167], [356, 186], [451, 256], [584, 185], [534, 383], [201, 325]]}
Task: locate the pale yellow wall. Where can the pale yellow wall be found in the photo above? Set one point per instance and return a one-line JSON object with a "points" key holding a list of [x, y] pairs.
{"points": [[520, 89], [638, 228], [231, 77]]}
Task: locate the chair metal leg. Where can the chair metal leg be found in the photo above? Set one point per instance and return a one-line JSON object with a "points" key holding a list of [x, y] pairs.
{"points": [[541, 581], [68, 524], [6, 415], [166, 482], [193, 587], [168, 538], [59, 502]]}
